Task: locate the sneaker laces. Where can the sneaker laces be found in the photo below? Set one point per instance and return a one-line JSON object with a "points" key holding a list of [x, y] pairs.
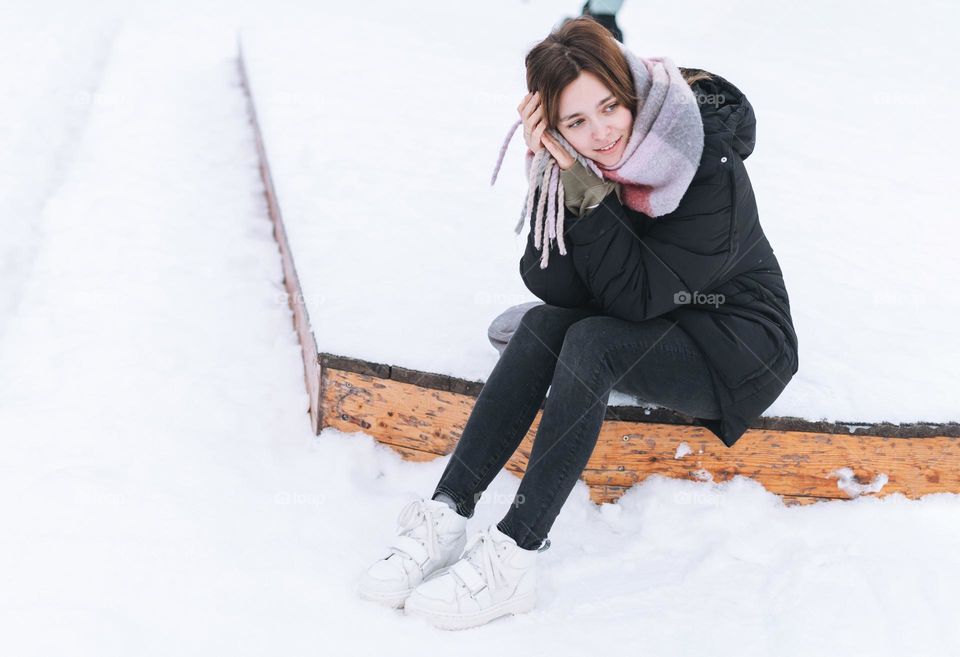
{"points": [[481, 552], [414, 515]]}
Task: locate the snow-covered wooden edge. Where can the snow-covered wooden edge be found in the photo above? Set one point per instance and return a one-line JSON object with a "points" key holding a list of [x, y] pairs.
{"points": [[291, 282], [421, 415]]}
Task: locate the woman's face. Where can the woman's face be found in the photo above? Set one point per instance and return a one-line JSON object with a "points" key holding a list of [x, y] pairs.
{"points": [[591, 118]]}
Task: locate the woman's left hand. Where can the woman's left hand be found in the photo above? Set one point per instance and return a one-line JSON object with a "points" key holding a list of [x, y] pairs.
{"points": [[563, 158]]}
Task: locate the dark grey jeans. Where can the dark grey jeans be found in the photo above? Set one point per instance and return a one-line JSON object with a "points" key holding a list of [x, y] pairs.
{"points": [[581, 355]]}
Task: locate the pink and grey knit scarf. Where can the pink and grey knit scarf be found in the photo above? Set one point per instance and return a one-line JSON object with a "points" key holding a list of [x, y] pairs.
{"points": [[658, 163]]}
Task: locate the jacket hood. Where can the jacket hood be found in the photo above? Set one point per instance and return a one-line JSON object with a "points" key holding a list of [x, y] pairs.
{"points": [[726, 112]]}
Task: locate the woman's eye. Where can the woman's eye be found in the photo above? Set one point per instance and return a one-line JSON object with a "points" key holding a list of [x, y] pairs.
{"points": [[578, 121]]}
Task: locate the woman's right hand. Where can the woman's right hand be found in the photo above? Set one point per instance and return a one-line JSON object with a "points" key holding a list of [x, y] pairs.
{"points": [[534, 126], [531, 112]]}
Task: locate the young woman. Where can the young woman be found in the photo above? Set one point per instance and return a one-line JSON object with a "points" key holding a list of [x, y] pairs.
{"points": [[646, 248]]}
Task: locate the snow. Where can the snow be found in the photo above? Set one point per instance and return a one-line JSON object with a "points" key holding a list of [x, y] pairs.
{"points": [[160, 491], [847, 482], [53, 95]]}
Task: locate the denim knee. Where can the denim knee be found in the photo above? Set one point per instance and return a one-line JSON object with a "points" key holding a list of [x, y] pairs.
{"points": [[585, 342], [540, 315]]}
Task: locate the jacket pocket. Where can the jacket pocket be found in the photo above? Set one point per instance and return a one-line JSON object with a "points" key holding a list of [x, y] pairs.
{"points": [[756, 347]]}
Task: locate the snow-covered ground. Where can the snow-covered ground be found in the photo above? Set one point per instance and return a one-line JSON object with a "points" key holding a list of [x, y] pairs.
{"points": [[160, 491], [49, 75], [382, 134]]}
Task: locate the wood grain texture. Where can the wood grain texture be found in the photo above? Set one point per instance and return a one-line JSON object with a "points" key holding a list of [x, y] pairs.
{"points": [[423, 423]]}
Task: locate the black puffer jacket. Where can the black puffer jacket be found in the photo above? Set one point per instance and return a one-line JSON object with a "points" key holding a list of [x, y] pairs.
{"points": [[707, 265]]}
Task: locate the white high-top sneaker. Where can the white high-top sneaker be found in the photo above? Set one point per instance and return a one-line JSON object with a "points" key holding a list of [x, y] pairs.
{"points": [[493, 578], [430, 536]]}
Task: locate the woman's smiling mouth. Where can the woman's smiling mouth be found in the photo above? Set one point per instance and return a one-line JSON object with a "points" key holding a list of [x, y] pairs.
{"points": [[609, 147]]}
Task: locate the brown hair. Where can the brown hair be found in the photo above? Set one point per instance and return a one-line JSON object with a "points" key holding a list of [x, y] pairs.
{"points": [[583, 44]]}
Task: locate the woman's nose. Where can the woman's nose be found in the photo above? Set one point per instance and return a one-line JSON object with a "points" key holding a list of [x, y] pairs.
{"points": [[600, 135]]}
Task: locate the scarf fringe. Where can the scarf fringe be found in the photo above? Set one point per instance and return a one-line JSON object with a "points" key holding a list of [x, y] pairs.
{"points": [[544, 174]]}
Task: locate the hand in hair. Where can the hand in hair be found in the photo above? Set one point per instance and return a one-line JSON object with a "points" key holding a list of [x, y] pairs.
{"points": [[534, 130]]}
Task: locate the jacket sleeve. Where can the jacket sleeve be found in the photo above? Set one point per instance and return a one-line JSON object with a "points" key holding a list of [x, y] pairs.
{"points": [[559, 284], [637, 276]]}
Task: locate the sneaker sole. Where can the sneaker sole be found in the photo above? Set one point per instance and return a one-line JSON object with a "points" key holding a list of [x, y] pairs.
{"points": [[395, 600], [517, 605]]}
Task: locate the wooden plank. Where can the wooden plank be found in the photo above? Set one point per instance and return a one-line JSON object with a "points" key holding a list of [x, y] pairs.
{"points": [[424, 423], [658, 415]]}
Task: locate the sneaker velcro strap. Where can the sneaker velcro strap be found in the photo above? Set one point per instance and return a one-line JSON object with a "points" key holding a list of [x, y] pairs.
{"points": [[412, 547], [466, 572]]}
